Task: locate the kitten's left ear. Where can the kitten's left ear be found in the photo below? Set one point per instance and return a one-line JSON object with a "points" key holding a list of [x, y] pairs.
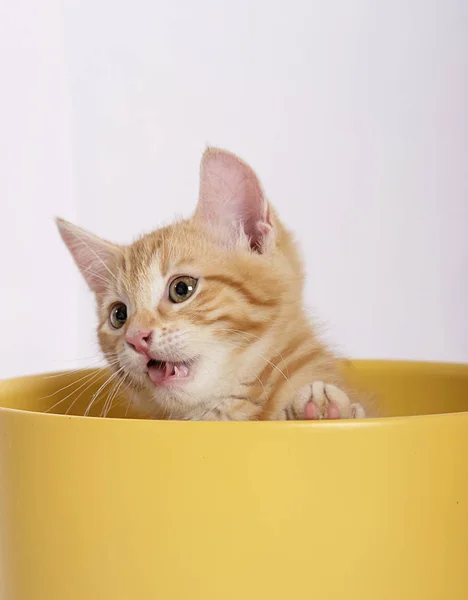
{"points": [[94, 257], [232, 200]]}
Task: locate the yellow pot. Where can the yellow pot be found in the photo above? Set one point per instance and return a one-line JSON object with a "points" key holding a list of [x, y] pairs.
{"points": [[128, 509]]}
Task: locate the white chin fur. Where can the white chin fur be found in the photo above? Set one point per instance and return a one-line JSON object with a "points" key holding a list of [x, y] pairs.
{"points": [[209, 382]]}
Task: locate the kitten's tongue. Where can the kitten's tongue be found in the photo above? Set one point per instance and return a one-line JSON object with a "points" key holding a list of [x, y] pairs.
{"points": [[160, 372]]}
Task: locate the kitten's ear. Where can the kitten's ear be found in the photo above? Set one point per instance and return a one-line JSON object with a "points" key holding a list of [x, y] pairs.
{"points": [[95, 257], [232, 200]]}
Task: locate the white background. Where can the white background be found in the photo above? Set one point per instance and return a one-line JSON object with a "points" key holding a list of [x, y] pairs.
{"points": [[353, 112]]}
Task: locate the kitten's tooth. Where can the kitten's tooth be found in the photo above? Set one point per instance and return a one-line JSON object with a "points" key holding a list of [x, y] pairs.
{"points": [[176, 371], [184, 371]]}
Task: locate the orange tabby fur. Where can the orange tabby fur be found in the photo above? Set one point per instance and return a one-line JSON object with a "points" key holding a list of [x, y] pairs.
{"points": [[255, 348]]}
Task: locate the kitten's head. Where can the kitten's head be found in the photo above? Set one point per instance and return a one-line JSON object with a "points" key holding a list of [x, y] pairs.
{"points": [[186, 311]]}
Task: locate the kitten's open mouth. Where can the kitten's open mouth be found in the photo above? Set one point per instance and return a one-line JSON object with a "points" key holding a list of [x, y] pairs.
{"points": [[161, 371]]}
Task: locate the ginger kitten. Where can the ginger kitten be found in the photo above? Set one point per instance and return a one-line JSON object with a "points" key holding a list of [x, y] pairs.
{"points": [[203, 319]]}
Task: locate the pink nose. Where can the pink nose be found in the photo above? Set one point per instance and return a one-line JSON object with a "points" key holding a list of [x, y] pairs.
{"points": [[139, 340]]}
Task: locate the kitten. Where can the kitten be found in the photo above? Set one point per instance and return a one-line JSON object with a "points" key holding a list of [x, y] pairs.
{"points": [[204, 319]]}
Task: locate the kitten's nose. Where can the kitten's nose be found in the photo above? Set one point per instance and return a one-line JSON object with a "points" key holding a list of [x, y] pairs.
{"points": [[139, 340]]}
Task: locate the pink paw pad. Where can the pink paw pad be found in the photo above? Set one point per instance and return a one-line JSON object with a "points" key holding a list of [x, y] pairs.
{"points": [[321, 400]]}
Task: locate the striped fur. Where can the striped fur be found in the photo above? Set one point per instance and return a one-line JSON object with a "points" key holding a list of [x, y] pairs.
{"points": [[255, 348]]}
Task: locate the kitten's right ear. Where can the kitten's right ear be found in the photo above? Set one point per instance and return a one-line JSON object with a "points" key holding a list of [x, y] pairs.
{"points": [[232, 200], [94, 257]]}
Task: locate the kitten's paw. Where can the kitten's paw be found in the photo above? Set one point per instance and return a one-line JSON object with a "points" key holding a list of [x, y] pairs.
{"points": [[321, 400]]}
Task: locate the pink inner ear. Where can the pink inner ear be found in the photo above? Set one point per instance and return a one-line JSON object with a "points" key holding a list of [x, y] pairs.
{"points": [[93, 256], [231, 197]]}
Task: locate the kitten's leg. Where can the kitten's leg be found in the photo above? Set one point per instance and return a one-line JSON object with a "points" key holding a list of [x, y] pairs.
{"points": [[321, 400]]}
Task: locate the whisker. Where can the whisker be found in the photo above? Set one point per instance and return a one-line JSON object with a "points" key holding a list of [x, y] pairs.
{"points": [[73, 371], [93, 378], [72, 383], [78, 397], [129, 396], [114, 395], [233, 345], [245, 333], [111, 396], [80, 359], [96, 395], [250, 373], [259, 355]]}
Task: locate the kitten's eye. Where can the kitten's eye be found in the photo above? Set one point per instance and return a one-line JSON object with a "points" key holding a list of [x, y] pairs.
{"points": [[182, 288], [118, 315]]}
